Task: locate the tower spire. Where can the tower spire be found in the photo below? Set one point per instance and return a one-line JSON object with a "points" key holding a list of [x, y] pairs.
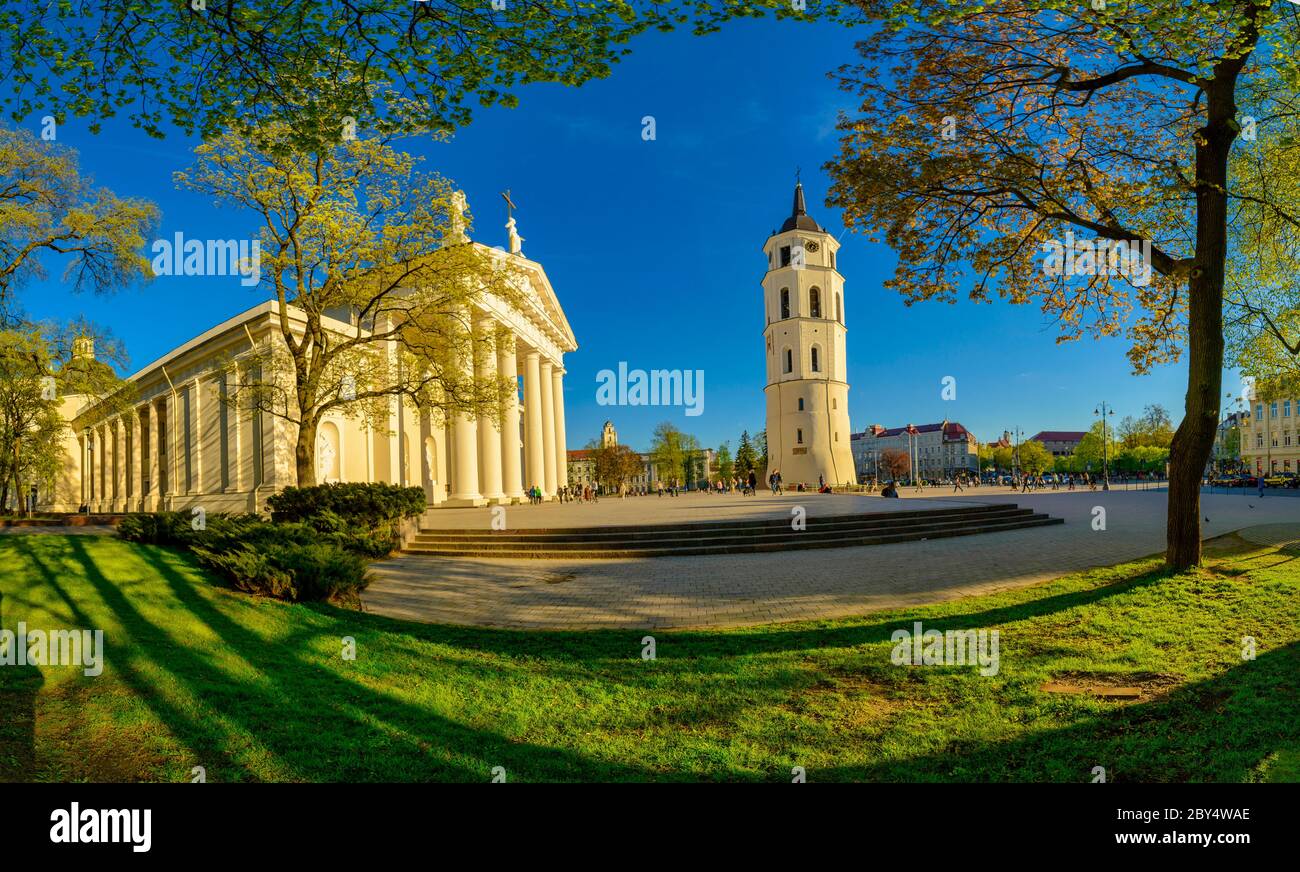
{"points": [[800, 208]]}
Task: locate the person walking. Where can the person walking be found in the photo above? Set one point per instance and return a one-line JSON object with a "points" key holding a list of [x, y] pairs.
{"points": [[753, 484], [956, 484], [1261, 484]]}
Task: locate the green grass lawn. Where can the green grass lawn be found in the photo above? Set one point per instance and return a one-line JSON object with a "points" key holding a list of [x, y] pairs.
{"points": [[257, 690]]}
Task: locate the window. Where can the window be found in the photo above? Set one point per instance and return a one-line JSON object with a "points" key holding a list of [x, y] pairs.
{"points": [[801, 404], [815, 303], [1272, 410], [1259, 410], [785, 255], [1286, 409], [799, 435], [816, 365], [785, 304], [789, 361], [832, 260], [835, 404], [839, 310]]}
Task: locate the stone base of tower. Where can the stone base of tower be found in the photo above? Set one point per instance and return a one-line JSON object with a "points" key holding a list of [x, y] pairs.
{"points": [[811, 443]]}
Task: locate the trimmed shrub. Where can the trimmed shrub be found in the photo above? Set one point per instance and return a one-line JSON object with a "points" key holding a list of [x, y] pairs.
{"points": [[356, 504], [287, 561]]}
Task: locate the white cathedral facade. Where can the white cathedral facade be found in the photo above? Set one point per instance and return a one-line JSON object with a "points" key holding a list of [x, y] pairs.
{"points": [[185, 443], [807, 382]]}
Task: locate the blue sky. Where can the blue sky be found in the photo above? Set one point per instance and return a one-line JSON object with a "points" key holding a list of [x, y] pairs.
{"points": [[654, 248]]}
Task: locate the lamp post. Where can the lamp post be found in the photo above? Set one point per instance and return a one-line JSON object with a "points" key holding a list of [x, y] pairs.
{"points": [[1103, 410], [1016, 433], [914, 464]]}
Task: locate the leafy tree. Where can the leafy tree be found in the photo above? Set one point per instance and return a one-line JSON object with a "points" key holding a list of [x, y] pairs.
{"points": [[726, 466], [999, 129], [985, 455], [1153, 428], [668, 451], [614, 465], [760, 447], [355, 231], [41, 368], [1094, 449], [315, 64], [1034, 457], [896, 463], [48, 208], [747, 459], [1004, 458]]}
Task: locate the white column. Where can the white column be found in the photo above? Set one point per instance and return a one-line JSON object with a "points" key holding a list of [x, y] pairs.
{"points": [[133, 460], [105, 470], [465, 477], [197, 454], [151, 502], [561, 449], [512, 481], [120, 461], [489, 433], [533, 443], [548, 428]]}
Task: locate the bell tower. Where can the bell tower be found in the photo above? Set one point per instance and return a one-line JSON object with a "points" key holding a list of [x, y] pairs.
{"points": [[807, 385]]}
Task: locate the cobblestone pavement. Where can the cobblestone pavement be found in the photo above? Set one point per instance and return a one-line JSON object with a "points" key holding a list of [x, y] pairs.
{"points": [[746, 589]]}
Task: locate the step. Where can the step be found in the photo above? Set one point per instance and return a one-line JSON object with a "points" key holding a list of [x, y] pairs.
{"points": [[747, 523], [705, 536], [793, 544]]}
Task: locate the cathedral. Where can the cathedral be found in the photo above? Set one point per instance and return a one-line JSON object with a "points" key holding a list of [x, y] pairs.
{"points": [[186, 444], [807, 382]]}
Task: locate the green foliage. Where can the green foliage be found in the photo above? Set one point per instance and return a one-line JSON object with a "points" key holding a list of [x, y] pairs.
{"points": [[293, 561], [1034, 457], [746, 456], [726, 466], [366, 505], [314, 63], [266, 678]]}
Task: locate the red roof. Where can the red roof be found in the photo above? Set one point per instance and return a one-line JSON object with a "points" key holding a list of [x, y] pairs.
{"points": [[952, 431], [1058, 436], [579, 453]]}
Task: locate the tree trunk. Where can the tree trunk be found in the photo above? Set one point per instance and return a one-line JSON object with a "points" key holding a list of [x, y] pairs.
{"points": [[304, 452], [1194, 439]]}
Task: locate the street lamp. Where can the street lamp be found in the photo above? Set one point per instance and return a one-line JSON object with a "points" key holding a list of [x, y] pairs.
{"points": [[1016, 432], [1103, 411]]}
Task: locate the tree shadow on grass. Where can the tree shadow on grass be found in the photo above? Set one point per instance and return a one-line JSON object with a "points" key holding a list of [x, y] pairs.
{"points": [[1217, 730], [614, 646], [184, 727], [19, 687], [322, 725]]}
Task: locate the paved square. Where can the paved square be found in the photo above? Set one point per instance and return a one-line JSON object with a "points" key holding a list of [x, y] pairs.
{"points": [[746, 589]]}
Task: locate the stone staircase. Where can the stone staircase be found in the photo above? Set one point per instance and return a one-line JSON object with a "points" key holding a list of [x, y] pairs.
{"points": [[726, 537]]}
